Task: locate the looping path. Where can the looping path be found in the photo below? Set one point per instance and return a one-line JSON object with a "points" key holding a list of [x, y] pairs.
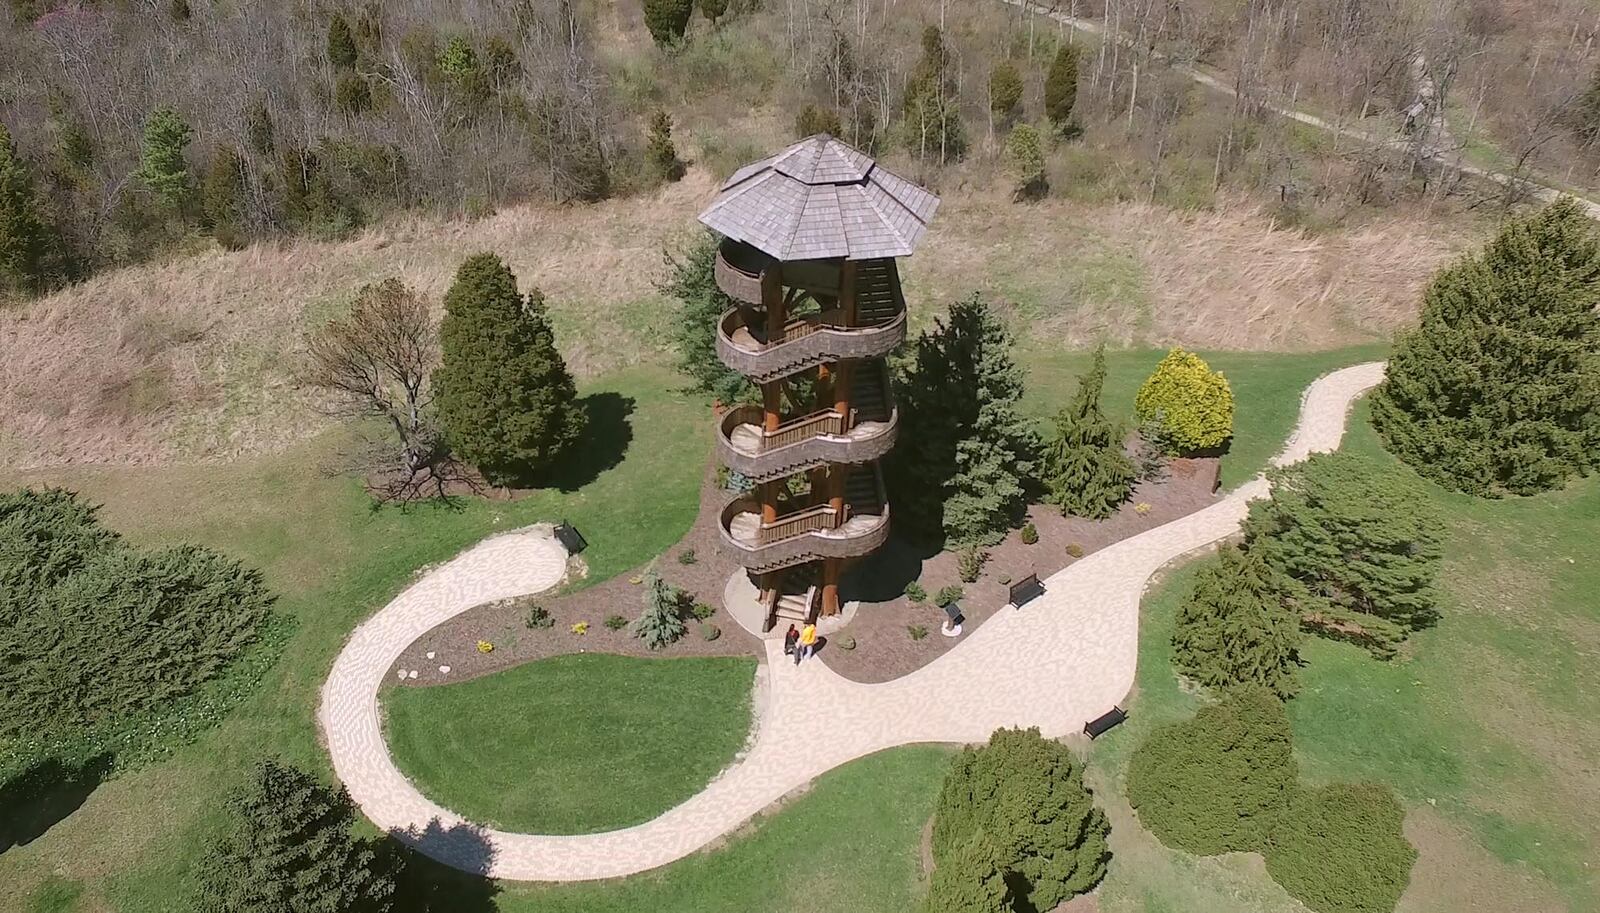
{"points": [[1066, 658]]}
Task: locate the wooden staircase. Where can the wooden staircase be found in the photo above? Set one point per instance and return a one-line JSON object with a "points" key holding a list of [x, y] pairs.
{"points": [[878, 295], [867, 394], [794, 601]]}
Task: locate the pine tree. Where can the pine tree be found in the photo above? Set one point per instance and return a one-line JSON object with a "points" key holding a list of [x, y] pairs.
{"points": [[1233, 628], [1061, 87], [162, 167], [660, 151], [1005, 90], [1026, 155], [970, 880], [959, 400], [713, 9], [661, 622], [1354, 549], [667, 19], [691, 279], [27, 240], [258, 130], [222, 199], [931, 108], [1023, 795], [341, 44], [502, 391], [1498, 389], [813, 120], [1085, 469], [291, 851]]}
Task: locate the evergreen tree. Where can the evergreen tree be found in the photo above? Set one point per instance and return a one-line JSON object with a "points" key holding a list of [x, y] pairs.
{"points": [[932, 109], [341, 44], [691, 279], [291, 851], [1085, 469], [29, 245], [352, 95], [1061, 87], [660, 151], [661, 622], [713, 9], [959, 400], [1005, 90], [1218, 782], [258, 129], [667, 19], [502, 391], [970, 880], [1191, 404], [162, 167], [1024, 797], [1233, 628], [222, 199], [813, 120], [1026, 155], [1354, 549], [1498, 389]]}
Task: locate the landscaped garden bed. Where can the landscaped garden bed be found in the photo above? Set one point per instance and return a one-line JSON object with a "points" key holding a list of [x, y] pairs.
{"points": [[881, 631]]}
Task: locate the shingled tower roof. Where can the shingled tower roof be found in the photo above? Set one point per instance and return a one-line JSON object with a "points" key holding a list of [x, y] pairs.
{"points": [[821, 198]]}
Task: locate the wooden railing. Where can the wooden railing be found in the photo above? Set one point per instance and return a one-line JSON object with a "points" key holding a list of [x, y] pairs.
{"points": [[801, 327], [809, 520], [804, 428]]}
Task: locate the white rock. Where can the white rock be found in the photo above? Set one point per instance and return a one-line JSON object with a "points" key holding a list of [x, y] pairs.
{"points": [[411, 674], [430, 654], [444, 670], [400, 672]]}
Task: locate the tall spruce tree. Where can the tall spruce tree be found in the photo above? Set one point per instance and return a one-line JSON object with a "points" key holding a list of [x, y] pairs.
{"points": [[1234, 630], [1353, 549], [931, 106], [222, 198], [1498, 389], [959, 401], [691, 278], [1024, 795], [162, 166], [1061, 87], [659, 148], [667, 19], [1085, 469], [291, 851], [502, 391], [341, 44], [29, 245]]}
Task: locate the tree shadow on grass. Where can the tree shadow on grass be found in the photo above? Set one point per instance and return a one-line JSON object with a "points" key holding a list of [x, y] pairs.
{"points": [[45, 794], [604, 443], [461, 884]]}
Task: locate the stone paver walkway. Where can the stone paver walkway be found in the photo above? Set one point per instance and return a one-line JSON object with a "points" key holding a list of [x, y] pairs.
{"points": [[1067, 657]]}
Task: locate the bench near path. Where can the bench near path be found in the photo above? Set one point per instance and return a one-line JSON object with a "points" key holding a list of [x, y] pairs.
{"points": [[1066, 657]]}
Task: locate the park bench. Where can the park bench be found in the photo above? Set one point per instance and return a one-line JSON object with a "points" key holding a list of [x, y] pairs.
{"points": [[570, 538], [1026, 590], [1105, 721]]}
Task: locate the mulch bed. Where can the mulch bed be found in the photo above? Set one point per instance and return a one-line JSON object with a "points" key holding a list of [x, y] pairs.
{"points": [[454, 643], [884, 649]]}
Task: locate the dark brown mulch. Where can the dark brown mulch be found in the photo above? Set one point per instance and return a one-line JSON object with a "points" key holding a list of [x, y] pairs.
{"points": [[454, 643], [884, 649]]}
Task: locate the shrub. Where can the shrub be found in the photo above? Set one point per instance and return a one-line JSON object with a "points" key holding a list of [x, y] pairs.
{"points": [[1061, 87], [713, 9], [1029, 534], [970, 879], [661, 622], [1074, 549], [659, 149], [1354, 549], [702, 610], [616, 622], [687, 556], [710, 632], [915, 592], [1142, 508], [222, 198], [813, 120], [947, 595], [1025, 156], [290, 849], [1005, 90], [29, 244], [666, 19], [1192, 404], [502, 391], [1234, 630], [352, 95], [1150, 454], [844, 642], [485, 646], [1496, 389], [538, 616], [1341, 849], [917, 632], [1003, 580], [580, 628], [969, 564], [1084, 468], [1027, 794], [1219, 781]]}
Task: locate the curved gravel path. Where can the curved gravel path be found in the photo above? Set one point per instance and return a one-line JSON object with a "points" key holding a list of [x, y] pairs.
{"points": [[1067, 657]]}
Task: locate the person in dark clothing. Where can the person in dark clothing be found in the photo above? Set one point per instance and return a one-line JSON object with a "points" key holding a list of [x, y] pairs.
{"points": [[790, 638]]}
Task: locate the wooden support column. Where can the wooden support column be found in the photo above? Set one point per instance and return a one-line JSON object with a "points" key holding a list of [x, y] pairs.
{"points": [[830, 585], [772, 300], [767, 494], [847, 292]]}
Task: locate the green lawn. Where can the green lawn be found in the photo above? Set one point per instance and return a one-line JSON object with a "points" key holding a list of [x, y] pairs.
{"points": [[1488, 726], [573, 744]]}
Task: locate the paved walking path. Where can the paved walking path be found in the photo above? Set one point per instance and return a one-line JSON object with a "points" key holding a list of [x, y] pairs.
{"points": [[1065, 658]]}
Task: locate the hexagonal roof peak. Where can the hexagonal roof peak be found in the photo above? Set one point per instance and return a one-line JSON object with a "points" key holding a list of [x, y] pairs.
{"points": [[822, 198]]}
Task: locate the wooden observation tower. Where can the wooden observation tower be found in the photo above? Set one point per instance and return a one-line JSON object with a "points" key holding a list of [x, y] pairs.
{"points": [[810, 240]]}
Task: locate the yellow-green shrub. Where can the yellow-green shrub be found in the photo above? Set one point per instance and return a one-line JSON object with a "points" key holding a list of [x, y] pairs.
{"points": [[1190, 402]]}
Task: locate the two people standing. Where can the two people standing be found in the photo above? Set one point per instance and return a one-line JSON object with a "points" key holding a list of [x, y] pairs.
{"points": [[800, 644]]}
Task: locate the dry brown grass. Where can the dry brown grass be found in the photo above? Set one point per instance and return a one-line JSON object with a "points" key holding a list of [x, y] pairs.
{"points": [[194, 359]]}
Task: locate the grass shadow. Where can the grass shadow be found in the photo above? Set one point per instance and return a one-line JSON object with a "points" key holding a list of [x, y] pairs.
{"points": [[605, 442], [883, 575], [460, 884], [44, 795]]}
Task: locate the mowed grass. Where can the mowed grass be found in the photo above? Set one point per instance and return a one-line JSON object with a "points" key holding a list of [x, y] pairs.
{"points": [[1487, 726], [573, 744], [1266, 391], [333, 559]]}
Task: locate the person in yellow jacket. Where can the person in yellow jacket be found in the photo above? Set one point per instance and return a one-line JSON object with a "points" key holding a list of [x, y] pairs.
{"points": [[808, 643]]}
